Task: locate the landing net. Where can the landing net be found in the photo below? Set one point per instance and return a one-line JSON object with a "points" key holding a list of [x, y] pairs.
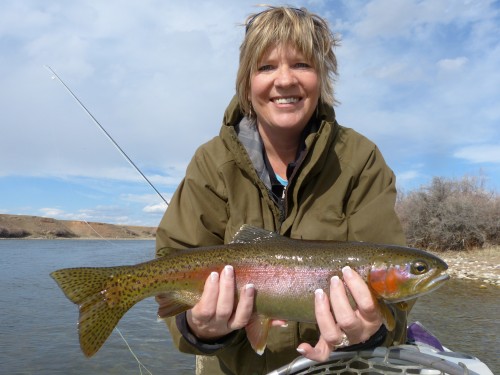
{"points": [[404, 359]]}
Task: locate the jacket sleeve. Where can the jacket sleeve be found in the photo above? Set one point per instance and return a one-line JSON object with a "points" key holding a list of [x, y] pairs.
{"points": [[371, 217], [370, 206], [197, 214]]}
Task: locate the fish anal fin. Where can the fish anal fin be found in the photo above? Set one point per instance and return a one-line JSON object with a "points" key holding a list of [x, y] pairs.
{"points": [[170, 305], [257, 330]]}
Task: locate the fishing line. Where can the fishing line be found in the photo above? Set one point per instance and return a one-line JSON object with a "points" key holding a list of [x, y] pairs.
{"points": [[98, 234], [55, 76], [141, 365]]}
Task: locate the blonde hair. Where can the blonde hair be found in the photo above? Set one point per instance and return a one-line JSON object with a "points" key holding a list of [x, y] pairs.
{"points": [[295, 27]]}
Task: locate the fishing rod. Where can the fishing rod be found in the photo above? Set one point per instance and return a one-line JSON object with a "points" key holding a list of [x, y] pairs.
{"points": [[55, 76], [124, 154]]}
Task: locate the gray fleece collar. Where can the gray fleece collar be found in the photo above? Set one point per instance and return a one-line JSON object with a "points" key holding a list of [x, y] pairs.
{"points": [[250, 138]]}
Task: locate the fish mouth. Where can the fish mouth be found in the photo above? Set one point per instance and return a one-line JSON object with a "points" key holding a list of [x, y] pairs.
{"points": [[426, 288], [438, 281]]}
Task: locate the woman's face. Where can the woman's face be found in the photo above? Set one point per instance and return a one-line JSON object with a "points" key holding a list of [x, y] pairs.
{"points": [[284, 90]]}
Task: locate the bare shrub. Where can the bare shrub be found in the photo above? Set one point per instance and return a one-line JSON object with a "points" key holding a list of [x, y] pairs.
{"points": [[13, 233], [451, 214], [61, 233]]}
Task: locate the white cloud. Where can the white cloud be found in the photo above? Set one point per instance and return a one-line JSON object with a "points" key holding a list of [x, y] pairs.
{"points": [[412, 18], [155, 208], [52, 212], [409, 175], [419, 77], [397, 72], [158, 76], [453, 64], [486, 153]]}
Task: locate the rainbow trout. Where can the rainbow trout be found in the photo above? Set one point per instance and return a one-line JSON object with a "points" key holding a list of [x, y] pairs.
{"points": [[285, 273]]}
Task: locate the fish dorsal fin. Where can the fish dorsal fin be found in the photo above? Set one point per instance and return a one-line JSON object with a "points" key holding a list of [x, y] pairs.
{"points": [[251, 234]]}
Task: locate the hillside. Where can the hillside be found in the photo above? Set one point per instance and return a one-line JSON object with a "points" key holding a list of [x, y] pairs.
{"points": [[31, 227]]}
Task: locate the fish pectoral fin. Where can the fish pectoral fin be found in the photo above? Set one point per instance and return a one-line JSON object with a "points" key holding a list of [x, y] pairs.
{"points": [[257, 330], [170, 305], [387, 316]]}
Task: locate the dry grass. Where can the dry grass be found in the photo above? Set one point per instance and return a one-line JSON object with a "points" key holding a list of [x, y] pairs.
{"points": [[480, 264]]}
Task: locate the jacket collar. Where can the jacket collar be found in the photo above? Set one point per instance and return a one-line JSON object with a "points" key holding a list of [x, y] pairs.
{"points": [[244, 130]]}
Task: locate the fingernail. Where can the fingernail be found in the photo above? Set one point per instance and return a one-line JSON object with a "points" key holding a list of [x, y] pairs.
{"points": [[249, 290], [320, 294], [214, 276], [347, 271], [228, 270], [335, 280], [284, 325], [301, 351]]}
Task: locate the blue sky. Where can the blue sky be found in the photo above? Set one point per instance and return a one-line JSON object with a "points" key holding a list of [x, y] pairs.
{"points": [[419, 78]]}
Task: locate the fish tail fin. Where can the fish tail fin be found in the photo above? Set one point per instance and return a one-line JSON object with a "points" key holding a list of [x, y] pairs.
{"points": [[100, 300]]}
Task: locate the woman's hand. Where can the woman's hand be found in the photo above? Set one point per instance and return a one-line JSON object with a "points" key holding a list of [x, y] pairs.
{"points": [[355, 325], [215, 316]]}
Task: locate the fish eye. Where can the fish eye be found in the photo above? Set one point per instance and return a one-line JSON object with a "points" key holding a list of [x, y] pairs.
{"points": [[419, 267]]}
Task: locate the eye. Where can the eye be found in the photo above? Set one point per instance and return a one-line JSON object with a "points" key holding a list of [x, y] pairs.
{"points": [[265, 68], [419, 267], [302, 65]]}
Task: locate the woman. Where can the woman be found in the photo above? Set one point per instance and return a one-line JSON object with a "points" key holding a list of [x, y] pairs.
{"points": [[281, 162]]}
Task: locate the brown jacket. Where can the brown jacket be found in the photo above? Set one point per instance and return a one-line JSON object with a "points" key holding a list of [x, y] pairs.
{"points": [[342, 190]]}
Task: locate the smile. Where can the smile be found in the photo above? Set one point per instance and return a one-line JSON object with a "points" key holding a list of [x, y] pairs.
{"points": [[285, 100]]}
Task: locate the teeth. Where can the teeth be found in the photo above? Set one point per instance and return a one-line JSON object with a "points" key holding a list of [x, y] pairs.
{"points": [[286, 100]]}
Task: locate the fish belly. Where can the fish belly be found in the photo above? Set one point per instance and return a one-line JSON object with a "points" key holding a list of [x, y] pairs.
{"points": [[283, 292]]}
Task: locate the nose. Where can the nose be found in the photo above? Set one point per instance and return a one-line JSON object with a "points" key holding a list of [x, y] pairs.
{"points": [[285, 77]]}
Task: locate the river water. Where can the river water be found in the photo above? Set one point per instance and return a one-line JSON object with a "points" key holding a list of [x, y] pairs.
{"points": [[38, 333]]}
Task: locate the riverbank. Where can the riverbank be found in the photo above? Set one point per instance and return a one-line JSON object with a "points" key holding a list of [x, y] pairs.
{"points": [[36, 227], [482, 265]]}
